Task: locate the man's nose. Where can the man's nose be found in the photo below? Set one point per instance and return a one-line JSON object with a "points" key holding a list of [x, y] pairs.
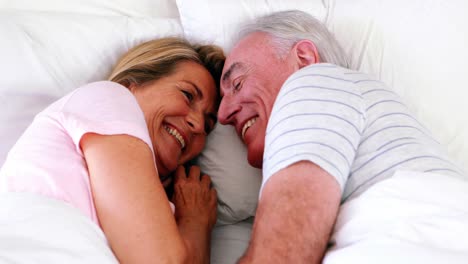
{"points": [[227, 111]]}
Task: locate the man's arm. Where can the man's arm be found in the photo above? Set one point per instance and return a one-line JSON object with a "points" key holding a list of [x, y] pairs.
{"points": [[295, 216]]}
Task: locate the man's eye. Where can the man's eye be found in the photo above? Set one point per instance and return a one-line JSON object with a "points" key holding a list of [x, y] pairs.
{"points": [[237, 86], [188, 95]]}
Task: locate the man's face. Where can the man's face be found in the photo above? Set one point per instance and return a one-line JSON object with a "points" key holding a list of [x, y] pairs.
{"points": [[252, 77]]}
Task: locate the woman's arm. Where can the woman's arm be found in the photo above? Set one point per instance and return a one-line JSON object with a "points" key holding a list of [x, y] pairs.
{"points": [[130, 201]]}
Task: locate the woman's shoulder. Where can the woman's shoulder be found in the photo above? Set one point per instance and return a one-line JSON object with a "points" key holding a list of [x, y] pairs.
{"points": [[98, 93], [101, 88], [89, 93], [97, 102]]}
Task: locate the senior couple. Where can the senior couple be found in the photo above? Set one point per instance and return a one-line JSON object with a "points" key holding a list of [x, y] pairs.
{"points": [[322, 134]]}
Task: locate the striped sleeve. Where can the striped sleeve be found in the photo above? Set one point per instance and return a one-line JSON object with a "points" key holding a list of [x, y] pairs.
{"points": [[318, 116]]}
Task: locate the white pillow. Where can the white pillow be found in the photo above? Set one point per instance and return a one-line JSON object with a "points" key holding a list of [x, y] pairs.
{"points": [[47, 54], [225, 157], [236, 182], [135, 8], [229, 242], [216, 21]]}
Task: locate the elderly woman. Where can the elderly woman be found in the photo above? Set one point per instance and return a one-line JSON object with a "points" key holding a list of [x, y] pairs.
{"points": [[109, 148]]}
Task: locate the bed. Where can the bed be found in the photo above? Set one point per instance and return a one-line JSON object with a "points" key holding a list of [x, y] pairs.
{"points": [[50, 47]]}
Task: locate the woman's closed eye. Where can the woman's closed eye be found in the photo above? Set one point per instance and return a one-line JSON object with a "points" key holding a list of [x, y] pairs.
{"points": [[188, 95]]}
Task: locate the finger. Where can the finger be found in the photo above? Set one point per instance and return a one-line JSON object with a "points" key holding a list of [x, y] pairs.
{"points": [[194, 173], [206, 181], [213, 196], [180, 173], [178, 198], [167, 182]]}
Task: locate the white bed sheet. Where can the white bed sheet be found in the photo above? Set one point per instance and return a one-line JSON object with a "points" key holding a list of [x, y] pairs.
{"points": [[410, 218]]}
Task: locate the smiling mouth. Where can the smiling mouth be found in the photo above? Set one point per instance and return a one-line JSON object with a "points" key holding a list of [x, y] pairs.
{"points": [[173, 132], [247, 125]]}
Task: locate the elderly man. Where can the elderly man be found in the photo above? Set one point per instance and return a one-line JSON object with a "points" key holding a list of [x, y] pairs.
{"points": [[322, 134]]}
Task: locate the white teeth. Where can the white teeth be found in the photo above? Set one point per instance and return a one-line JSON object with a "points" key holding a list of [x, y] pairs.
{"points": [[176, 135], [247, 125]]}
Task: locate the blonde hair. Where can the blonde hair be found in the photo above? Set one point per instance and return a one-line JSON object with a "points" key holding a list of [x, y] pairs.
{"points": [[158, 58]]}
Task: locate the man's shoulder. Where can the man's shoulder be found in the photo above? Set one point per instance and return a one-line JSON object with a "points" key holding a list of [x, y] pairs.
{"points": [[325, 68], [315, 74], [322, 78]]}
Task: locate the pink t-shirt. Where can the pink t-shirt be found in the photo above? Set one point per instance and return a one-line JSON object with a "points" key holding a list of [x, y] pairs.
{"points": [[47, 159]]}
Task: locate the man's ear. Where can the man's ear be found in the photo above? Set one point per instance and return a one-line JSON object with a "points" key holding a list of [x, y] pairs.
{"points": [[306, 53]]}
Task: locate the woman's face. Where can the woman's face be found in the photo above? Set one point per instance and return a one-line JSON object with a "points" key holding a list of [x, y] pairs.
{"points": [[180, 110]]}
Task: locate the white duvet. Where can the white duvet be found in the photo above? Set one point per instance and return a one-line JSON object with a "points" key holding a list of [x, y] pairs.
{"points": [[35, 229], [410, 218]]}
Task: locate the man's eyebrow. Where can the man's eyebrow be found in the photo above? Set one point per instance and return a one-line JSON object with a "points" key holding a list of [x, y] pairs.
{"points": [[232, 68]]}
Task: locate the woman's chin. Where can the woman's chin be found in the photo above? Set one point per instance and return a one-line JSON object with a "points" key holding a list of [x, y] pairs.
{"points": [[166, 169], [167, 162]]}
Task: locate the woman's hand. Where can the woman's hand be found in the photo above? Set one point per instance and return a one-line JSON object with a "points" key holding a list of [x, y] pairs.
{"points": [[194, 199], [195, 211]]}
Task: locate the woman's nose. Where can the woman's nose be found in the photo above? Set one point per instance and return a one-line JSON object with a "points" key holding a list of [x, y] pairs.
{"points": [[196, 122]]}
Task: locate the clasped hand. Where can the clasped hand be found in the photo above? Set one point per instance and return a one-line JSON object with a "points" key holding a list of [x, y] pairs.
{"points": [[194, 198]]}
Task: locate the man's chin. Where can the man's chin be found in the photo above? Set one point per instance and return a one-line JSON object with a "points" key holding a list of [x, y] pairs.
{"points": [[255, 160]]}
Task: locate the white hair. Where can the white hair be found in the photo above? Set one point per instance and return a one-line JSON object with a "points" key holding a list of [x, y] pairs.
{"points": [[288, 27]]}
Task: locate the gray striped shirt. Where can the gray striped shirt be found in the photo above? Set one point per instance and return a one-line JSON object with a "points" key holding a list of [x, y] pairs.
{"points": [[350, 125]]}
